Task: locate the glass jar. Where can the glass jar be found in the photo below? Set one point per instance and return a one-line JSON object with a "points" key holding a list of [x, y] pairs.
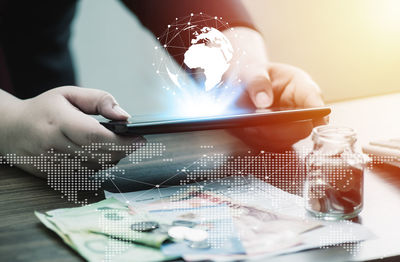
{"points": [[334, 183]]}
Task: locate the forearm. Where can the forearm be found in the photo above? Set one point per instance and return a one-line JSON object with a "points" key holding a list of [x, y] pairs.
{"points": [[250, 52], [156, 15]]}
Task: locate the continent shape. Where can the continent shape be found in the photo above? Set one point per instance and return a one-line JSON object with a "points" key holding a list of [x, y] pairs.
{"points": [[212, 52]]}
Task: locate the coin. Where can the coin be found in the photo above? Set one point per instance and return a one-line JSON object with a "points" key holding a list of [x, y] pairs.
{"points": [[178, 232], [113, 216], [163, 228], [196, 235], [184, 223], [199, 244], [144, 226]]}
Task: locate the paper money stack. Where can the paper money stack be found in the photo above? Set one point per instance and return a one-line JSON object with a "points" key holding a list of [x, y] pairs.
{"points": [[194, 225], [101, 232]]}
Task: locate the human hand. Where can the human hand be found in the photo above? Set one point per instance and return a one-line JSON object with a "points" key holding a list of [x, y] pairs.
{"points": [[272, 84], [58, 120], [287, 86]]}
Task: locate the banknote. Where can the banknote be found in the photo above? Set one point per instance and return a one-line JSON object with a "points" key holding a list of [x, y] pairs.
{"points": [[101, 232], [250, 191], [261, 231], [215, 219]]}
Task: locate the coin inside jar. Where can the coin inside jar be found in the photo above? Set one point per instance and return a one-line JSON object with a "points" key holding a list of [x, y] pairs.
{"points": [[333, 188], [144, 226]]}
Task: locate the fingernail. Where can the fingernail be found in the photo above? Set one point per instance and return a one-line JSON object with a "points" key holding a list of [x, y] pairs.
{"points": [[263, 100], [121, 111]]}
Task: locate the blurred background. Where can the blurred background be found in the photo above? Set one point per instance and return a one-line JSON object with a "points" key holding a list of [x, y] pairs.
{"points": [[350, 48]]}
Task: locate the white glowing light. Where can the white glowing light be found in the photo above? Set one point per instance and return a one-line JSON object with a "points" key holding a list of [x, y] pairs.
{"points": [[202, 108], [213, 56], [207, 90], [173, 77]]}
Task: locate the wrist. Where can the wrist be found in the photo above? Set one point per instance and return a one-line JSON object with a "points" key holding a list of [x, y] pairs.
{"points": [[250, 58]]}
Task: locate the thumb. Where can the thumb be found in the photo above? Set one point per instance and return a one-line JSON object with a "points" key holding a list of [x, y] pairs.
{"points": [[260, 91], [93, 101]]}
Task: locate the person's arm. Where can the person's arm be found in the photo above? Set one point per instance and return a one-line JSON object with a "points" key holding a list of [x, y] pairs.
{"points": [[272, 84], [58, 119], [156, 15], [267, 83], [291, 86]]}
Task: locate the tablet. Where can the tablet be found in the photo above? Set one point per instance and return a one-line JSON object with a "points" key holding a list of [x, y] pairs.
{"points": [[151, 124]]}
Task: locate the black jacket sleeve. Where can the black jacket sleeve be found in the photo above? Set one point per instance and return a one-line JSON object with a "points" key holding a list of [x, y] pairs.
{"points": [[35, 36], [156, 15]]}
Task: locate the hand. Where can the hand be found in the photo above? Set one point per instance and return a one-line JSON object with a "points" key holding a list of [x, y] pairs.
{"points": [[272, 84], [58, 120], [289, 87]]}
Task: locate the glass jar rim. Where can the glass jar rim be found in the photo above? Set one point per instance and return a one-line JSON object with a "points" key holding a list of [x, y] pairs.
{"points": [[333, 133]]}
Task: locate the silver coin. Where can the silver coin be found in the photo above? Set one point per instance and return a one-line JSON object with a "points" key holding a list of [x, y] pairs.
{"points": [[184, 223], [196, 235], [178, 232], [144, 226], [199, 244], [163, 228]]}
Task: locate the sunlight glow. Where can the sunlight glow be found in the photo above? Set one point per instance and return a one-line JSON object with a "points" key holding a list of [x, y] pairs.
{"points": [[386, 15]]}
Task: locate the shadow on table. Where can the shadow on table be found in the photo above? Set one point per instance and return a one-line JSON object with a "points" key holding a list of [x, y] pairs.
{"points": [[208, 155]]}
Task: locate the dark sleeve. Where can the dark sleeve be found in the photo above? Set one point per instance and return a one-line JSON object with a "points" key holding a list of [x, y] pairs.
{"points": [[35, 37], [156, 15]]}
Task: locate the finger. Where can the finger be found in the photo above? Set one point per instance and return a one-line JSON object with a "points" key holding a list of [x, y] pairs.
{"points": [[107, 153], [101, 152], [260, 91], [290, 132], [111, 153], [313, 98], [82, 129], [70, 158], [91, 161], [321, 121], [93, 101], [64, 145], [293, 87], [275, 137], [95, 153], [301, 93]]}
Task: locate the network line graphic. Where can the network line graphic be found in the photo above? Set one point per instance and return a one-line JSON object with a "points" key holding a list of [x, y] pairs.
{"points": [[197, 64], [68, 175]]}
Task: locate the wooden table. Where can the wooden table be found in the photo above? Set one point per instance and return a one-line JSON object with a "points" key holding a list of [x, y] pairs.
{"points": [[23, 238]]}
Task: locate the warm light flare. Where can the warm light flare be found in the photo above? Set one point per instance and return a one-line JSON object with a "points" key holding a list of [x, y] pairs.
{"points": [[386, 15]]}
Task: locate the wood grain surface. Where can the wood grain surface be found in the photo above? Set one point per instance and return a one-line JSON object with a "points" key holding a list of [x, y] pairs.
{"points": [[23, 238]]}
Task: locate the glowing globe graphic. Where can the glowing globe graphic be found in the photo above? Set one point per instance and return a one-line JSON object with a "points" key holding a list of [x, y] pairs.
{"points": [[194, 61], [211, 52], [197, 46]]}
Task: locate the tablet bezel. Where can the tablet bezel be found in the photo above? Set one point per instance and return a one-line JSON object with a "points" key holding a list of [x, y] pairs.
{"points": [[238, 120]]}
